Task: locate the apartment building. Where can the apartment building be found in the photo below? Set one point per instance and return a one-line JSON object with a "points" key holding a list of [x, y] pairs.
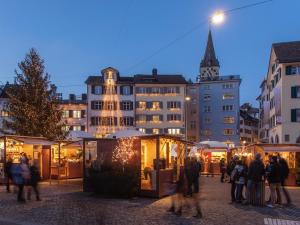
{"points": [[283, 91], [219, 100], [192, 112], [248, 124], [160, 103], [110, 103], [74, 112]]}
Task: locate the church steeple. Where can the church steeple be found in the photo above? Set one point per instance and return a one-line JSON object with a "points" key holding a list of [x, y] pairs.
{"points": [[209, 66]]}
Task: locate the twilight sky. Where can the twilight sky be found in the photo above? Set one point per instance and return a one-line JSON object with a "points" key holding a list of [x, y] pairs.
{"points": [[79, 38]]}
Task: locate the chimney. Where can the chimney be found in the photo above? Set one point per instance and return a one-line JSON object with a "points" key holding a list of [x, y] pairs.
{"points": [[154, 72], [72, 97], [83, 97]]}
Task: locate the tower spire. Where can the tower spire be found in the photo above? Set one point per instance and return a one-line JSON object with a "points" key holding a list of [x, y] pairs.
{"points": [[210, 58], [209, 66]]}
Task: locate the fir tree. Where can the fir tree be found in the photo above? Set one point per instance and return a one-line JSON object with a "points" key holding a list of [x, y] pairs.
{"points": [[33, 108]]}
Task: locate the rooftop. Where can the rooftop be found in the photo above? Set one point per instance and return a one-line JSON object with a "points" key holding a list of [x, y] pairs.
{"points": [[287, 52]]}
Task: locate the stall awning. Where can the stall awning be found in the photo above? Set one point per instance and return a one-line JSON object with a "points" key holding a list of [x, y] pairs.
{"points": [[282, 149], [33, 141], [215, 150]]}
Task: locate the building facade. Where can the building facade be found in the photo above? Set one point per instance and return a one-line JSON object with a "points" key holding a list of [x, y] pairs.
{"points": [[74, 112], [248, 124], [192, 112], [283, 90], [160, 103], [4, 115], [219, 101], [110, 103]]}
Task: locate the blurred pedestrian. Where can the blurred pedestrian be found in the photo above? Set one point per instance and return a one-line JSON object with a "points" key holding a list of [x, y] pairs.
{"points": [[274, 180], [16, 171], [230, 167], [284, 173], [222, 169], [34, 180], [239, 176], [8, 174], [256, 173]]}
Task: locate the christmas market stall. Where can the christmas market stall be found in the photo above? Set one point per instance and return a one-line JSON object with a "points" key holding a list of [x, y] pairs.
{"points": [[156, 160], [290, 152], [37, 149], [211, 153]]}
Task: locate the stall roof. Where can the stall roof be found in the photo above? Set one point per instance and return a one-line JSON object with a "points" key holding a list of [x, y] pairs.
{"points": [[30, 140], [282, 149]]}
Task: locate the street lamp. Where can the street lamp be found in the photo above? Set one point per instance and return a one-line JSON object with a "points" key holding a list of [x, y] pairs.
{"points": [[217, 18], [187, 99]]}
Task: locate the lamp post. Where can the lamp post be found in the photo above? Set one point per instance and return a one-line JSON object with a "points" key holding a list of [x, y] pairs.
{"points": [[217, 18], [186, 100]]}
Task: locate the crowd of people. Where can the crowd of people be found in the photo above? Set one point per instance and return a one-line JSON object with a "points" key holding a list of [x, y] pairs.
{"points": [[247, 183], [23, 175]]}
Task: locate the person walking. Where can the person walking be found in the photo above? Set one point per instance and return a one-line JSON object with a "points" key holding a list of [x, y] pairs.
{"points": [[222, 169], [34, 180], [284, 173], [239, 176], [8, 174], [273, 177], [230, 169], [255, 176], [19, 181]]}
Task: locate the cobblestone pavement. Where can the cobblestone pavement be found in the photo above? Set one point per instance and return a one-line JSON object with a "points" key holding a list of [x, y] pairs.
{"points": [[65, 204]]}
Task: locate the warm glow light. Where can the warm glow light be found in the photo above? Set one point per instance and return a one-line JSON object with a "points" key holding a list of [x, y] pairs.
{"points": [[218, 17], [187, 98]]}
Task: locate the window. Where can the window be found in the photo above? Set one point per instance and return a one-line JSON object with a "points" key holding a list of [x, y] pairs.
{"points": [[207, 97], [206, 132], [141, 118], [207, 108], [142, 130], [192, 90], [155, 131], [126, 90], [171, 90], [141, 90], [228, 86], [77, 128], [173, 105], [155, 90], [173, 130], [96, 105], [65, 114], [4, 113], [287, 138], [156, 118], [193, 125], [126, 121], [110, 105], [66, 128], [156, 105], [292, 70], [247, 131], [295, 115], [228, 96], [227, 107], [207, 120], [206, 87], [174, 117], [228, 132], [295, 92], [141, 105], [229, 119], [77, 114], [126, 105], [98, 90]]}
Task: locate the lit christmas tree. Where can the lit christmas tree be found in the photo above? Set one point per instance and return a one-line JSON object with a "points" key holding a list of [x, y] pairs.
{"points": [[124, 150], [33, 106]]}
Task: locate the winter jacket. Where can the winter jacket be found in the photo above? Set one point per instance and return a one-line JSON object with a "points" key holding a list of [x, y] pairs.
{"points": [[238, 174], [256, 171], [35, 175], [16, 171], [284, 169], [273, 173]]}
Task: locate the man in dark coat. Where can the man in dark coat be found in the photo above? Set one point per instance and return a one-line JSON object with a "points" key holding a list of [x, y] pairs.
{"points": [[230, 168], [34, 180], [274, 180], [284, 173], [8, 173], [255, 176]]}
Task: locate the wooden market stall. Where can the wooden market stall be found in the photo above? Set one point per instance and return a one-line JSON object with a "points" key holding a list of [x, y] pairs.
{"points": [[290, 152], [37, 149], [159, 160]]}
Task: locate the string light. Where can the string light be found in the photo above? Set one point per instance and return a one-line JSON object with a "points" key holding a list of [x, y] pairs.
{"points": [[124, 151]]}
